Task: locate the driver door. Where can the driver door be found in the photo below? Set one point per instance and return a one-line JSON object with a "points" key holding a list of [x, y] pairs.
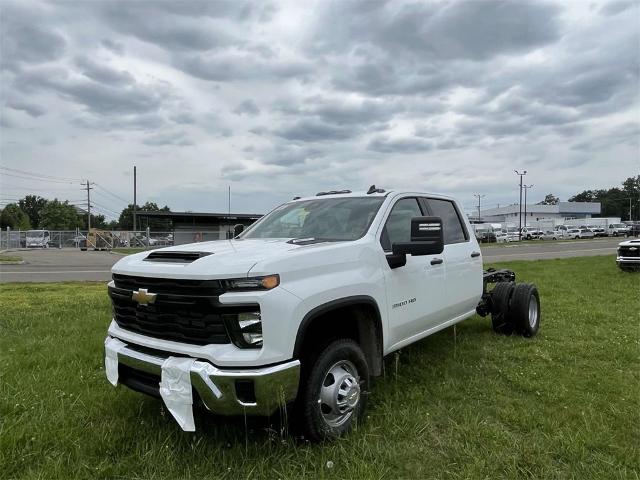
{"points": [[416, 291]]}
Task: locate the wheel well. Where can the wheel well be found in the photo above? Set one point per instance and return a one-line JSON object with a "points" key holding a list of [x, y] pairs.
{"points": [[356, 318]]}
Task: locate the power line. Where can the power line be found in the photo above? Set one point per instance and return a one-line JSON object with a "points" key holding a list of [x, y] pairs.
{"points": [[113, 194], [38, 179], [41, 175], [111, 201], [105, 208]]}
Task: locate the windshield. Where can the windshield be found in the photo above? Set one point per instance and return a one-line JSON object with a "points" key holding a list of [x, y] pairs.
{"points": [[330, 219], [35, 234]]}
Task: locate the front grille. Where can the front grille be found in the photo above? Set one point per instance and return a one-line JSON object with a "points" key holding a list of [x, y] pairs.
{"points": [[170, 285], [626, 251], [181, 311]]}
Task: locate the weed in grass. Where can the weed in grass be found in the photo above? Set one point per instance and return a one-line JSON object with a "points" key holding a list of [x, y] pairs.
{"points": [[561, 405]]}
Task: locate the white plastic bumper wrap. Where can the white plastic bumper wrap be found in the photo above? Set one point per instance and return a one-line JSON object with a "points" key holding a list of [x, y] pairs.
{"points": [[111, 348], [175, 390]]}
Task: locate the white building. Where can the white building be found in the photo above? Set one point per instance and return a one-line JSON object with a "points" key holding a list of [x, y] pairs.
{"points": [[541, 213]]}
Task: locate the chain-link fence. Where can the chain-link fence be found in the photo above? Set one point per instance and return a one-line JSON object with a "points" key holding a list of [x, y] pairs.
{"points": [[95, 239], [105, 239]]}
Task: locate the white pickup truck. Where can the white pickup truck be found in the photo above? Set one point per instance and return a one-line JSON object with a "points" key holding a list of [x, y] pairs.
{"points": [[299, 310]]}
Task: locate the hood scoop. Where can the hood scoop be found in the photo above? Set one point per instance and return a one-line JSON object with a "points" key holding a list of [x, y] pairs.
{"points": [[175, 257]]}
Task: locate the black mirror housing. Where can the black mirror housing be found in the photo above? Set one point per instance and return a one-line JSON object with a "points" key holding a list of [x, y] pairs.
{"points": [[427, 238], [238, 228]]}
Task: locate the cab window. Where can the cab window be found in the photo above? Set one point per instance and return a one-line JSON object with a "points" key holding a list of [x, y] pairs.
{"points": [[398, 225], [454, 231]]}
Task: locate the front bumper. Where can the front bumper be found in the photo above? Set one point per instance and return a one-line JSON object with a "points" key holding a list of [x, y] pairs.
{"points": [[628, 260], [224, 392]]}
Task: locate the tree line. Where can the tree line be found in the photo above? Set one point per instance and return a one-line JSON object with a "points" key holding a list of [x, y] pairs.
{"points": [[35, 212]]}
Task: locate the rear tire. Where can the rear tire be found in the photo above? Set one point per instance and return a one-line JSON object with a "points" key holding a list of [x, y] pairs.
{"points": [[524, 310], [333, 395], [500, 299]]}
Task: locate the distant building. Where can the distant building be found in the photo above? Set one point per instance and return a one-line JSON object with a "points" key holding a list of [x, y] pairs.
{"points": [[537, 213], [189, 227]]}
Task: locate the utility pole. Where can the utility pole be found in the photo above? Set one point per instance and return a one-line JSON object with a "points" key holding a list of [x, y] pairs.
{"points": [[520, 223], [526, 187], [89, 188], [134, 197], [630, 198], [229, 228], [478, 196]]}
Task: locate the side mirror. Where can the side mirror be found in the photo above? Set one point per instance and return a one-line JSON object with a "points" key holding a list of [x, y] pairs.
{"points": [[237, 229], [427, 238]]}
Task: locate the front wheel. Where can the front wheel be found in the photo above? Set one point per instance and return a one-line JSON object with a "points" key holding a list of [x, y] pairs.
{"points": [[334, 396]]}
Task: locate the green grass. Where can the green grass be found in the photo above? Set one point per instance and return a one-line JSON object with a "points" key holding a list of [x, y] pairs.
{"points": [[471, 405], [10, 258]]}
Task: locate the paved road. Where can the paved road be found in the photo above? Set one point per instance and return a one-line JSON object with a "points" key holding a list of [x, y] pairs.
{"points": [[546, 250], [55, 265]]}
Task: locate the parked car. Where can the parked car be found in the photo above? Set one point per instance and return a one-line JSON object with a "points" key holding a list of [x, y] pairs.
{"points": [[512, 234], [488, 237], [598, 231], [628, 257], [301, 308], [529, 233], [634, 230], [549, 235], [502, 236], [37, 239], [617, 230], [579, 233]]}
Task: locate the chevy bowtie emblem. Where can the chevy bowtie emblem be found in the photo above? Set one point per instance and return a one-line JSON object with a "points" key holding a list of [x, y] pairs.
{"points": [[143, 297], [633, 249]]}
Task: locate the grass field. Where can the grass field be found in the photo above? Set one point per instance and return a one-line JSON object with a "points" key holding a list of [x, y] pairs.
{"points": [[10, 258], [471, 405]]}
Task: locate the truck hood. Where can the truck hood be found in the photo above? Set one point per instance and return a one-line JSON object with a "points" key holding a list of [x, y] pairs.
{"points": [[226, 259], [630, 243]]}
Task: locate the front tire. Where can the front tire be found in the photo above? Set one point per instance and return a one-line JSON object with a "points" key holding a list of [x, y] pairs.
{"points": [[334, 396]]}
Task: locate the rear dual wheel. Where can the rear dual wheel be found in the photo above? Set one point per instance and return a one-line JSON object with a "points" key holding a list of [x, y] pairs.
{"points": [[515, 309]]}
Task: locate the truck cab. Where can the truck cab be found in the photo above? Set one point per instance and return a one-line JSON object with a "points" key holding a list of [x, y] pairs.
{"points": [[300, 308]]}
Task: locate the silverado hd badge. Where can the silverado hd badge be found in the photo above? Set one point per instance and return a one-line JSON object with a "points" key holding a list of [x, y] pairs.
{"points": [[143, 297]]}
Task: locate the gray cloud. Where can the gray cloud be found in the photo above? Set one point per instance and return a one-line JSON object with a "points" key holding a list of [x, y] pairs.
{"points": [[29, 108], [178, 138], [316, 131], [114, 47], [102, 73], [25, 39], [383, 144], [247, 107], [239, 65], [615, 7]]}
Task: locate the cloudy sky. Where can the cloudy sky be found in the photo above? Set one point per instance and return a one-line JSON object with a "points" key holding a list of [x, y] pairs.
{"points": [[290, 98]]}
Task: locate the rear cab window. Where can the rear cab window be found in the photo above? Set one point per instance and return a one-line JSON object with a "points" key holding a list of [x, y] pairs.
{"points": [[452, 223]]}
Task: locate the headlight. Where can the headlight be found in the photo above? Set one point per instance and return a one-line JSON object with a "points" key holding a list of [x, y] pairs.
{"points": [[255, 283], [245, 329]]}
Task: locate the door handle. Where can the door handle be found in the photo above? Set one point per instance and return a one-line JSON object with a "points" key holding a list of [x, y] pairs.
{"points": [[436, 261], [475, 254]]}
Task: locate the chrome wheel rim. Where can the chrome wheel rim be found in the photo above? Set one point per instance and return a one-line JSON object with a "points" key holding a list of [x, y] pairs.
{"points": [[339, 393], [533, 311]]}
